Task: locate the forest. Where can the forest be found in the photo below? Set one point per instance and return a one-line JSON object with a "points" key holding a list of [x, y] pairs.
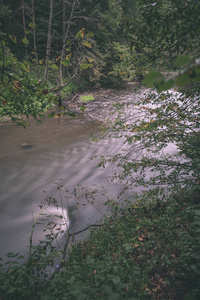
{"points": [[52, 49], [57, 47]]}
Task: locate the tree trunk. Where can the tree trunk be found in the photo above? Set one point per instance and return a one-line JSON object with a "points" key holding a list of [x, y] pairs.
{"points": [[34, 39], [48, 51], [65, 34], [63, 39], [24, 27]]}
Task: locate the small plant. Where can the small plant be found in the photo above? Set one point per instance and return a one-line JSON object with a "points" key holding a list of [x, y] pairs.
{"points": [[83, 108], [87, 98]]}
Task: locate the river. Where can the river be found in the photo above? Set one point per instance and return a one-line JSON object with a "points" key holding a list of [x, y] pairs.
{"points": [[33, 159]]}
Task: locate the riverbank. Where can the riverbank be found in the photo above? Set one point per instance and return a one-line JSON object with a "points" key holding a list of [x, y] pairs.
{"points": [[95, 110], [146, 250]]}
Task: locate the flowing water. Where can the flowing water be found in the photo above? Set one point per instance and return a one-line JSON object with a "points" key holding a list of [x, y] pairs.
{"points": [[33, 159]]}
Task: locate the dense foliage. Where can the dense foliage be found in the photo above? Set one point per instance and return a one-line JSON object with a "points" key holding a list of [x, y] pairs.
{"points": [[145, 250], [148, 249], [50, 49]]}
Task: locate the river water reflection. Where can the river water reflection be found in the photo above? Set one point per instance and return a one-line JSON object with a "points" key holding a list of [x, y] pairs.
{"points": [[33, 159]]}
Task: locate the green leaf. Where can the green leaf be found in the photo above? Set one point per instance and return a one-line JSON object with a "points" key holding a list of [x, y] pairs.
{"points": [[116, 279], [87, 44], [197, 69], [13, 38], [114, 296], [107, 289], [182, 60], [65, 63], [194, 74], [11, 254], [165, 85], [90, 34], [53, 66], [20, 257], [196, 78], [151, 78], [78, 35], [83, 108], [12, 290], [182, 79], [32, 25], [25, 67], [25, 41], [85, 66], [60, 217]]}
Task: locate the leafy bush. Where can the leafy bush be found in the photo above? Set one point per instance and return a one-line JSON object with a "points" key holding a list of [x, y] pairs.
{"points": [[22, 94], [145, 250]]}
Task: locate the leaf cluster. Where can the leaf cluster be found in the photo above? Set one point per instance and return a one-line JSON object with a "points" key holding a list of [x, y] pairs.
{"points": [[21, 94]]}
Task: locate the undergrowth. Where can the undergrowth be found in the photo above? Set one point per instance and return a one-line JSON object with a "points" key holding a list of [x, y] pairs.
{"points": [[145, 250]]}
